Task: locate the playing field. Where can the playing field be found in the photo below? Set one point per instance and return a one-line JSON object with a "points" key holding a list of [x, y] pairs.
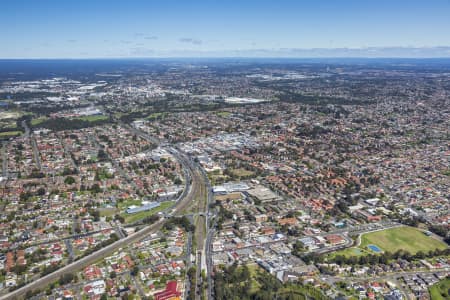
{"points": [[406, 238], [440, 290]]}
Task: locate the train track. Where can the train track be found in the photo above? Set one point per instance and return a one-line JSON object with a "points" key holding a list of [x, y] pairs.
{"points": [[193, 189]]}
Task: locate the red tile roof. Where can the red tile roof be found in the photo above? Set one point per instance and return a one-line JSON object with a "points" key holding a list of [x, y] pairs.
{"points": [[170, 292]]}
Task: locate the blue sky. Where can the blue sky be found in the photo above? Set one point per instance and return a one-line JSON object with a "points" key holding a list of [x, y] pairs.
{"points": [[146, 28]]}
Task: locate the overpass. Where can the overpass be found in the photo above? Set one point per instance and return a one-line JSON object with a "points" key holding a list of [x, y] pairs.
{"points": [[190, 194]]}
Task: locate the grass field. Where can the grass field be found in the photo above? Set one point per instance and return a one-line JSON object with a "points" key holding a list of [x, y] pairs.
{"points": [[241, 172], [223, 114], [8, 134], [216, 178], [353, 251], [38, 121], [157, 115], [126, 203], [441, 290], [8, 125], [107, 212], [254, 270], [131, 218], [406, 238], [10, 115]]}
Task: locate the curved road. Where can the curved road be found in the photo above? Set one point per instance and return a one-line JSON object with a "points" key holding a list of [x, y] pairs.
{"points": [[190, 196]]}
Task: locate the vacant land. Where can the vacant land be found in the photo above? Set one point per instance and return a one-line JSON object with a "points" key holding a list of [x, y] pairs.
{"points": [[241, 172], [10, 115], [441, 290], [405, 238]]}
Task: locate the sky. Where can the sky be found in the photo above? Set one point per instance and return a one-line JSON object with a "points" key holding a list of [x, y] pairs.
{"points": [[210, 28]]}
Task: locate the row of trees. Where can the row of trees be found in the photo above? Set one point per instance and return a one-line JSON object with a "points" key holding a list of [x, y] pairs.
{"points": [[442, 231], [112, 238], [58, 124], [372, 259], [237, 282], [179, 221]]}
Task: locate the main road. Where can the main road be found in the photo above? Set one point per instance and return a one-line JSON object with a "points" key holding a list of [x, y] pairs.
{"points": [[194, 189]]}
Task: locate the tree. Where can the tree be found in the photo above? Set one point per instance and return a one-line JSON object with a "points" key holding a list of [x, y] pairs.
{"points": [[29, 294], [101, 155], [69, 180], [19, 269], [95, 215], [66, 278], [95, 188], [119, 218], [134, 271]]}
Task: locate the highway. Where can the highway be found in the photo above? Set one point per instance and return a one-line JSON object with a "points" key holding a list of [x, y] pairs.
{"points": [[37, 158], [198, 209], [201, 197], [85, 261], [192, 193], [209, 264], [196, 196]]}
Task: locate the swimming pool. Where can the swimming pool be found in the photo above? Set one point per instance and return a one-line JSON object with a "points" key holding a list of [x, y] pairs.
{"points": [[375, 248]]}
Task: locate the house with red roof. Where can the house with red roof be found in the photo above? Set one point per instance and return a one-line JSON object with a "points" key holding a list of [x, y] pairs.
{"points": [[171, 292]]}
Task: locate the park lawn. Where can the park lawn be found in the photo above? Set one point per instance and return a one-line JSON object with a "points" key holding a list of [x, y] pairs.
{"points": [[440, 290], [254, 270], [131, 218], [407, 238]]}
